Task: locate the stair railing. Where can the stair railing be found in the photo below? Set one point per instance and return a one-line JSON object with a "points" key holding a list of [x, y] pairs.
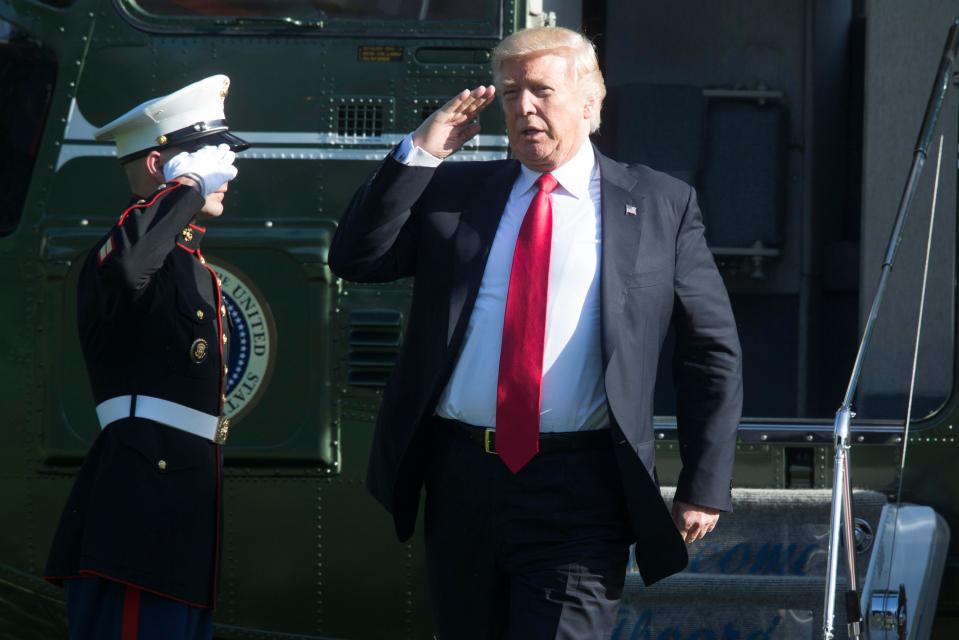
{"points": [[841, 517]]}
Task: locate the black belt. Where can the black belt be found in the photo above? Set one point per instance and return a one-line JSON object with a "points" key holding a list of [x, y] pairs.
{"points": [[561, 441]]}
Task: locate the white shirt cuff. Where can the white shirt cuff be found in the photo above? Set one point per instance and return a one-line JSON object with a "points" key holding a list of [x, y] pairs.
{"points": [[412, 156]]}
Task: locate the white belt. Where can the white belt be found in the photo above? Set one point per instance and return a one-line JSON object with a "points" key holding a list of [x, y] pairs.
{"points": [[165, 412]]}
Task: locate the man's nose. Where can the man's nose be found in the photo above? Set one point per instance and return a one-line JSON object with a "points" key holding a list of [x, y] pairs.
{"points": [[525, 103]]}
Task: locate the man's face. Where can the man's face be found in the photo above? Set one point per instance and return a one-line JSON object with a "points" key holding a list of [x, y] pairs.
{"points": [[213, 207], [547, 119]]}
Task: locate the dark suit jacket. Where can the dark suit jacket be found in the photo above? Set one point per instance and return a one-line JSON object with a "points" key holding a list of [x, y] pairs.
{"points": [[438, 226]]}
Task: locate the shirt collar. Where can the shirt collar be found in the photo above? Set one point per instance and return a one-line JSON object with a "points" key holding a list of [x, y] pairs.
{"points": [[574, 176]]}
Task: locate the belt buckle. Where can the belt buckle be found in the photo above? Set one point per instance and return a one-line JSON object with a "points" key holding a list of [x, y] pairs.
{"points": [[488, 441], [222, 430]]}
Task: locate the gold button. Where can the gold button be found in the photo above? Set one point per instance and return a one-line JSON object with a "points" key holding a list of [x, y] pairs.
{"points": [[202, 260], [224, 338], [161, 465], [226, 370], [223, 397], [222, 309], [219, 281], [141, 201], [200, 314]]}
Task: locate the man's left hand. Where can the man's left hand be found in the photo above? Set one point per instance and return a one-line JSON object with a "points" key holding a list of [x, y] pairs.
{"points": [[693, 521]]}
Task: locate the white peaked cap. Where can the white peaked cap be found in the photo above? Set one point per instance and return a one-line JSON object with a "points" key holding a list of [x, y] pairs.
{"points": [[188, 118]]}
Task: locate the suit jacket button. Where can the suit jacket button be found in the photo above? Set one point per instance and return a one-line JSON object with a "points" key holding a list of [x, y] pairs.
{"points": [[161, 465], [224, 338], [199, 314]]}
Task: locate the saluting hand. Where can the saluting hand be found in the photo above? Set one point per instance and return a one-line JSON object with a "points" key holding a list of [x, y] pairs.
{"points": [[210, 167], [693, 521], [450, 126]]}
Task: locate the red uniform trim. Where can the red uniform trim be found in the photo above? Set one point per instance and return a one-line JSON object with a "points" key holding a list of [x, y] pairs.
{"points": [[170, 188], [217, 512], [130, 621], [198, 228], [105, 249], [219, 326], [186, 248], [87, 573], [219, 488]]}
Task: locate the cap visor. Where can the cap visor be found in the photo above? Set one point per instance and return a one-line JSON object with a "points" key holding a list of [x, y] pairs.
{"points": [[236, 143]]}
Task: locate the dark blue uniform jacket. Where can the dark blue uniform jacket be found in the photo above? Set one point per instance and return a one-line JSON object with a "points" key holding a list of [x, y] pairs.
{"points": [[145, 508]]}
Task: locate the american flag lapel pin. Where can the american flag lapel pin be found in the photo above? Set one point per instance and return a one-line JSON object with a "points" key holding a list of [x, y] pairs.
{"points": [[630, 210]]}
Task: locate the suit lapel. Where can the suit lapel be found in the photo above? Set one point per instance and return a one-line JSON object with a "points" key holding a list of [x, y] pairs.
{"points": [[622, 216], [621, 230], [472, 243]]}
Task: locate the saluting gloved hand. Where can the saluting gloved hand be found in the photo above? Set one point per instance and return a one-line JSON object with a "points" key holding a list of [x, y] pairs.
{"points": [[210, 167]]}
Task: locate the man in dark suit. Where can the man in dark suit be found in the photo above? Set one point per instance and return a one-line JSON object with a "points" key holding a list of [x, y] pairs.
{"points": [[544, 287]]}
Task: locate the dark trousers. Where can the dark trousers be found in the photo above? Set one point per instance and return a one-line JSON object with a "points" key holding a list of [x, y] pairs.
{"points": [[537, 555], [99, 609]]}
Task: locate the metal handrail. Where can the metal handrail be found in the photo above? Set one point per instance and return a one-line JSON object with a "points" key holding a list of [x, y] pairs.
{"points": [[841, 505]]}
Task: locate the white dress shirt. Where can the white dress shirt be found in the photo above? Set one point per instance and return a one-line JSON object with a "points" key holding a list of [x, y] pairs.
{"points": [[573, 395]]}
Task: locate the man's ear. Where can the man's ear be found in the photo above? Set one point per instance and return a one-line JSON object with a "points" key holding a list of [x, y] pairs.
{"points": [[154, 164]]}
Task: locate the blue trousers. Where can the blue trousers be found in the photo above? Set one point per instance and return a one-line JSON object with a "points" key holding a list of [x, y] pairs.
{"points": [[99, 609]]}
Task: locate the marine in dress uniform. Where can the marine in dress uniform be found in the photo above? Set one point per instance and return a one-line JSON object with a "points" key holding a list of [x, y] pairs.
{"points": [[138, 545]]}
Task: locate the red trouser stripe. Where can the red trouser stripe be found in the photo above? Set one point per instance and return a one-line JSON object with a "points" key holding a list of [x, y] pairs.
{"points": [[131, 614]]}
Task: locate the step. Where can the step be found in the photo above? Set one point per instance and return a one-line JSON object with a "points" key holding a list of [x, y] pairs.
{"points": [[760, 575]]}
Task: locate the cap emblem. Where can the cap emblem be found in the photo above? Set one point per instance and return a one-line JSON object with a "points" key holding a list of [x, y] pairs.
{"points": [[161, 139], [199, 350]]}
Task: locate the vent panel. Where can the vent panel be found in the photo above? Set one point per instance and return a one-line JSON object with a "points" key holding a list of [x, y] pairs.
{"points": [[374, 343], [428, 107], [359, 119]]}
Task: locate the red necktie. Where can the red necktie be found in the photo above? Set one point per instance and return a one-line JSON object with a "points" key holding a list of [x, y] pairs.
{"points": [[524, 334]]}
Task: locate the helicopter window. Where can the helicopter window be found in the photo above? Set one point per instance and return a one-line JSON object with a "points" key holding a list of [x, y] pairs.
{"points": [[320, 9], [27, 74]]}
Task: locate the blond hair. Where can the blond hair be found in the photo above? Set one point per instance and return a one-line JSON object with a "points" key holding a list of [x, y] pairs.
{"points": [[586, 73]]}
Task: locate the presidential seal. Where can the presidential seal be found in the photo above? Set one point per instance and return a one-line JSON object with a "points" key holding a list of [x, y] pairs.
{"points": [[252, 343]]}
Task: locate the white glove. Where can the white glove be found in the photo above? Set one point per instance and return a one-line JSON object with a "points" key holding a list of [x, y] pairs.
{"points": [[211, 167]]}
